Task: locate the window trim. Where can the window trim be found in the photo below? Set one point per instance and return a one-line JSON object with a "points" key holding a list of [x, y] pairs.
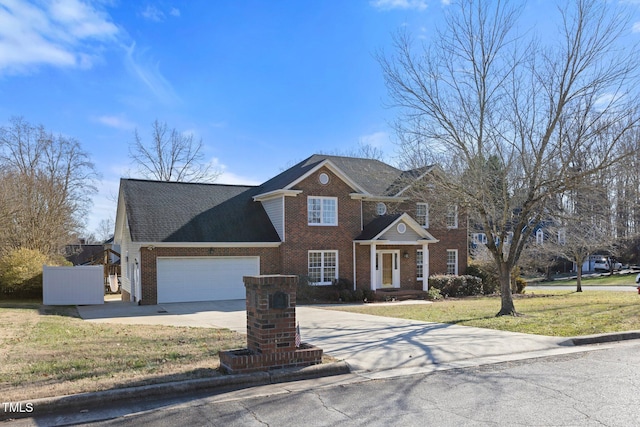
{"points": [[323, 280], [456, 262], [425, 223], [453, 214], [419, 265], [322, 210]]}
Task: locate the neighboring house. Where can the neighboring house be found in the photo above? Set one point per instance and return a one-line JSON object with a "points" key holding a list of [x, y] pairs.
{"points": [[83, 254], [327, 217]]}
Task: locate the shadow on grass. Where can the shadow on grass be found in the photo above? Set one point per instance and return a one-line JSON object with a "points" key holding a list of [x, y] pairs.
{"points": [[59, 310], [20, 303]]}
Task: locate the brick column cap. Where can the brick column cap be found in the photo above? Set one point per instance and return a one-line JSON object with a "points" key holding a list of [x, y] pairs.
{"points": [[271, 279]]}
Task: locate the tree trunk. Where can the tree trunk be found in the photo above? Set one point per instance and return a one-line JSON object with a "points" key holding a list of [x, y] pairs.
{"points": [[579, 279], [507, 308]]}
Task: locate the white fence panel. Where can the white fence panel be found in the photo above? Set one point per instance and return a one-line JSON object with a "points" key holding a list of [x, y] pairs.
{"points": [[81, 285]]}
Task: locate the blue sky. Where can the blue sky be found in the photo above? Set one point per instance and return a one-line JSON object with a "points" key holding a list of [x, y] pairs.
{"points": [[263, 83]]}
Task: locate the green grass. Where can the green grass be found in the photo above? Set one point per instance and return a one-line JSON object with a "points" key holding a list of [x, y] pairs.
{"points": [[55, 352], [553, 313], [606, 280]]}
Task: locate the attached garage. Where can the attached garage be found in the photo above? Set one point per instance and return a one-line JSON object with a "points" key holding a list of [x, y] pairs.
{"points": [[204, 279]]}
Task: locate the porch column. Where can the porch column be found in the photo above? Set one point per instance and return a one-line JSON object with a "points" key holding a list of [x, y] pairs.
{"points": [[372, 268], [425, 267]]}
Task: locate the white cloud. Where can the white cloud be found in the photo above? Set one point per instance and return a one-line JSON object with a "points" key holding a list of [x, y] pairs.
{"points": [[117, 122], [376, 139], [399, 4], [636, 27], [227, 177], [60, 33], [149, 74], [152, 13]]}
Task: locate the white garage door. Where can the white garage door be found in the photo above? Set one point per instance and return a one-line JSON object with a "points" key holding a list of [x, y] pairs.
{"points": [[204, 279]]}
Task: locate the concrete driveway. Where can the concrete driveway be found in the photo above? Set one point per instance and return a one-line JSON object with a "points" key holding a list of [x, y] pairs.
{"points": [[372, 345]]}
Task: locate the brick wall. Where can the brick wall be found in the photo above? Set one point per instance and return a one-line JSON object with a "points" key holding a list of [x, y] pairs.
{"points": [[301, 237], [270, 263], [449, 238], [455, 238]]}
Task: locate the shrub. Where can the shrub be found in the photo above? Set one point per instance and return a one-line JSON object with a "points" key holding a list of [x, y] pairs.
{"points": [[340, 290], [518, 285], [472, 285], [343, 284], [456, 286], [369, 295], [21, 273], [346, 295], [490, 280], [434, 294]]}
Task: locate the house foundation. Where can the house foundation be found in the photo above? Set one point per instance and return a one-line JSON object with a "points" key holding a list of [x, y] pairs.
{"points": [[271, 329]]}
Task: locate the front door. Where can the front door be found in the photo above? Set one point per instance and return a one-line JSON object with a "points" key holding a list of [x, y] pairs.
{"points": [[388, 269]]}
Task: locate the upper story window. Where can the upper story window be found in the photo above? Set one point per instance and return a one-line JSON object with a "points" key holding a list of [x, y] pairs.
{"points": [[322, 210], [323, 178], [422, 214], [479, 238], [562, 236], [452, 216], [540, 236], [381, 209]]}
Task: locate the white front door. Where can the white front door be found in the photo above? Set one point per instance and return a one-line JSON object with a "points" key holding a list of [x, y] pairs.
{"points": [[388, 269]]}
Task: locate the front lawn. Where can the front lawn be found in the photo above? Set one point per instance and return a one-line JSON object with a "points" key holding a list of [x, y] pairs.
{"points": [[552, 313], [55, 353], [602, 280]]}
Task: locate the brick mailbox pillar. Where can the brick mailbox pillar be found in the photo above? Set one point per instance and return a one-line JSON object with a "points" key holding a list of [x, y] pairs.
{"points": [[271, 329]]}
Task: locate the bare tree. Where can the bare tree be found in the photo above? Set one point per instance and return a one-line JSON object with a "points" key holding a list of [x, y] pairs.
{"points": [[549, 116], [362, 151], [171, 156], [46, 181], [581, 225], [105, 230]]}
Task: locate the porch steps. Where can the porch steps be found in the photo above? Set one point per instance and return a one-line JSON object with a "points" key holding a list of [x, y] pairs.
{"points": [[399, 294]]}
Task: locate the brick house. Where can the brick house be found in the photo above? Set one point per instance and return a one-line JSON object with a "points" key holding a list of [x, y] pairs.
{"points": [[328, 217]]}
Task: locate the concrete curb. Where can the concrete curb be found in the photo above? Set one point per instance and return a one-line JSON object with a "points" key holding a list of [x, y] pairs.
{"points": [[78, 402], [603, 338]]}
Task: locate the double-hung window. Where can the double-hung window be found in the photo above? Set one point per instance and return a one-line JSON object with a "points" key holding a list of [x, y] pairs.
{"points": [[452, 261], [322, 210], [419, 265], [422, 214], [452, 216], [323, 267]]}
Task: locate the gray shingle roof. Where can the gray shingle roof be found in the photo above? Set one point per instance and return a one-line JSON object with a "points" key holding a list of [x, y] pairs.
{"points": [[161, 211], [377, 226], [374, 176]]}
